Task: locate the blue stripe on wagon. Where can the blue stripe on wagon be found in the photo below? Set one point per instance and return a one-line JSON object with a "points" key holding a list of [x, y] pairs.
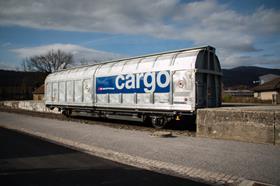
{"points": [[157, 82]]}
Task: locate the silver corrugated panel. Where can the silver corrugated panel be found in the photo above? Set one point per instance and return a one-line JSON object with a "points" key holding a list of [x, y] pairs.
{"points": [[128, 99], [55, 92], [102, 99], [114, 98], [87, 90], [143, 98], [48, 92], [70, 91], [62, 94], [78, 91], [185, 60], [161, 98]]}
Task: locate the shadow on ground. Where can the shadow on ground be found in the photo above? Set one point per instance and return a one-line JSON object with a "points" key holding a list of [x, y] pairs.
{"points": [[27, 160]]}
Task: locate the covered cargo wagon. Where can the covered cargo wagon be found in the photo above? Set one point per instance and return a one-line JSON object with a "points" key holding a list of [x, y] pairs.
{"points": [[157, 87]]}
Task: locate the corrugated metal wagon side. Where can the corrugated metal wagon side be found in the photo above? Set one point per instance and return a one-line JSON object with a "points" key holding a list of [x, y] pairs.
{"points": [[157, 87]]}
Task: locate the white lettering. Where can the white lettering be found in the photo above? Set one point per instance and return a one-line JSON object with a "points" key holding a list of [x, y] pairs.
{"points": [[121, 85], [167, 80], [150, 80], [130, 81], [151, 84], [138, 79]]}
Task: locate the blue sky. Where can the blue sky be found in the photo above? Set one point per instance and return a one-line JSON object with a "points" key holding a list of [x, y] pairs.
{"points": [[244, 32]]}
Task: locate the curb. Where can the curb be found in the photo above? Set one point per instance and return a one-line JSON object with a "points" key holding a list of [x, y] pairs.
{"points": [[195, 174]]}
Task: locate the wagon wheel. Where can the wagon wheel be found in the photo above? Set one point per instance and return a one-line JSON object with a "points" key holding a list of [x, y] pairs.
{"points": [[67, 112], [159, 122]]}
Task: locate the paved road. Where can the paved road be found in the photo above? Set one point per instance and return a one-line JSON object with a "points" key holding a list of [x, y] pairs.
{"points": [[26, 160], [260, 162]]}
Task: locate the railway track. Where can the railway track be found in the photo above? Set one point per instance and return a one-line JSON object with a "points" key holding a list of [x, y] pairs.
{"points": [[178, 129]]}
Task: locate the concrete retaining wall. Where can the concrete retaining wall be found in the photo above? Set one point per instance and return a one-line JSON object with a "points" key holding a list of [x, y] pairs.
{"points": [[258, 125], [38, 106], [277, 127]]}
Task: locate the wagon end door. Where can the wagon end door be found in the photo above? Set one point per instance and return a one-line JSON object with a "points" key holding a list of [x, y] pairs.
{"points": [[183, 89]]}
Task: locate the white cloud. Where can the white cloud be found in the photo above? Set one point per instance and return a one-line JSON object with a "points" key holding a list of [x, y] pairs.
{"points": [[210, 22], [124, 16], [4, 65], [201, 22], [79, 52]]}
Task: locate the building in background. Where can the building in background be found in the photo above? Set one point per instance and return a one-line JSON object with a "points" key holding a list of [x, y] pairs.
{"points": [[38, 94], [266, 78], [268, 91], [238, 93]]}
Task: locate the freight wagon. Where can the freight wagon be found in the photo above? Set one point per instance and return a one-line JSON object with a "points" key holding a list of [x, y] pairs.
{"points": [[156, 88]]}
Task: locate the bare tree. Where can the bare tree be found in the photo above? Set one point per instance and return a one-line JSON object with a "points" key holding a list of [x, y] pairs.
{"points": [[50, 62], [24, 65]]}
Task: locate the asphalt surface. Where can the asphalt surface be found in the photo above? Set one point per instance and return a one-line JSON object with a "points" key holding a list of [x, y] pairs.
{"points": [[260, 162], [26, 160]]}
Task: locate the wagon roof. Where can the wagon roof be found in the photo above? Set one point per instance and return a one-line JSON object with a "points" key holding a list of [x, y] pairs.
{"points": [[142, 56]]}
